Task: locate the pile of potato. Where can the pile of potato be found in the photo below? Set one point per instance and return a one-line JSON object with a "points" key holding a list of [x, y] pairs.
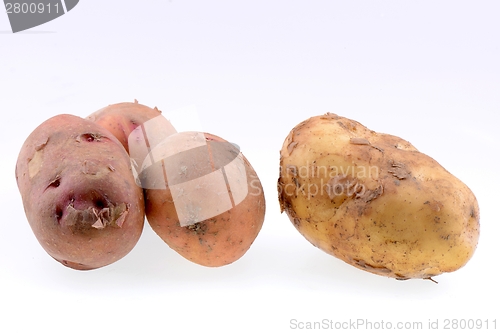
{"points": [[88, 184], [370, 199]]}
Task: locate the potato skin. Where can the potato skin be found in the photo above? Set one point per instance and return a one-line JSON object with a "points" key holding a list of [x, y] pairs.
{"points": [[122, 118], [79, 193], [136, 126], [374, 201], [216, 241]]}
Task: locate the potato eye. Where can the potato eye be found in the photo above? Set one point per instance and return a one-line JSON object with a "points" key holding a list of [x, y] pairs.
{"points": [[89, 137]]}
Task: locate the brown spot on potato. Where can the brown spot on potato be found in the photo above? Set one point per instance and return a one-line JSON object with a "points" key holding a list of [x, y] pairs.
{"points": [[329, 116], [94, 217], [89, 137], [292, 169], [56, 182], [291, 146], [359, 141], [372, 268], [35, 164], [434, 205], [401, 277], [398, 170], [90, 167], [370, 195], [199, 227], [41, 145], [121, 219]]}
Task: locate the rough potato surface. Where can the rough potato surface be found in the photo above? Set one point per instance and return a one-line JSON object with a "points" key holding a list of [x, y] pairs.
{"points": [[216, 241], [79, 193], [374, 201]]}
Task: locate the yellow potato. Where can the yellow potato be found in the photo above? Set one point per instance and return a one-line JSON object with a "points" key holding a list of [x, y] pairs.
{"points": [[374, 201]]}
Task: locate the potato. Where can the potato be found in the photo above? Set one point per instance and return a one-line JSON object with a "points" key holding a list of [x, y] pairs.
{"points": [[122, 118], [136, 126], [374, 201], [79, 193], [216, 223], [203, 198]]}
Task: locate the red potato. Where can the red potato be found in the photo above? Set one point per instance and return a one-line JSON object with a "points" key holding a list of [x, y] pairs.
{"points": [[122, 118], [235, 214], [79, 192], [203, 198]]}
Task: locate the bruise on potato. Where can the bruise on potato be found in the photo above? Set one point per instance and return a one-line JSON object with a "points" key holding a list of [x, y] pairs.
{"points": [[374, 201], [79, 193]]}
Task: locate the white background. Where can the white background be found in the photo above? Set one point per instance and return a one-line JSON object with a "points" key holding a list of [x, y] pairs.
{"points": [[427, 71]]}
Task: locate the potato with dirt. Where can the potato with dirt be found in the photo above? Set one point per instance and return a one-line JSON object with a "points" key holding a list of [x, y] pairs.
{"points": [[79, 192], [374, 201], [203, 198]]}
